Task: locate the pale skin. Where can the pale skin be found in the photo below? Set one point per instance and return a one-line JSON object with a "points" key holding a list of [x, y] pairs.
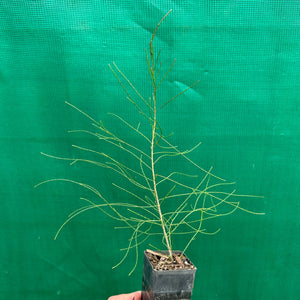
{"points": [[131, 296]]}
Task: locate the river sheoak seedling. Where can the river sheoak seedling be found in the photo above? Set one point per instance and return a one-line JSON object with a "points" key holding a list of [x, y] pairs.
{"points": [[160, 201]]}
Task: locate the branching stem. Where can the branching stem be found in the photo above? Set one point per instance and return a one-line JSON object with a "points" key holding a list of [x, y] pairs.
{"points": [[153, 142], [154, 175]]}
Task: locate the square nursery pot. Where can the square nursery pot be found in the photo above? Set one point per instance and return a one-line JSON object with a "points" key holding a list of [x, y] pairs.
{"points": [[167, 284]]}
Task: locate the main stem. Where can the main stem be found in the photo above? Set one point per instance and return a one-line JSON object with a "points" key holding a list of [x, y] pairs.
{"points": [[154, 175], [154, 126]]}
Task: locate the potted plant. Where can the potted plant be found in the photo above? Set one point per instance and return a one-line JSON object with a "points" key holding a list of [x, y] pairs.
{"points": [[168, 203]]}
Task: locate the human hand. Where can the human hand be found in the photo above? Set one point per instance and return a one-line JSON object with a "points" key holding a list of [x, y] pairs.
{"points": [[131, 296]]}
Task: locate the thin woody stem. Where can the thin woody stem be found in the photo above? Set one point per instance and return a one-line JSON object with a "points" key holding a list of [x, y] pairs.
{"points": [[154, 176], [154, 127]]}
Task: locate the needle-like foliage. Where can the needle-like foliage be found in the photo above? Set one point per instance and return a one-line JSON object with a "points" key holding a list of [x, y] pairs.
{"points": [[167, 203]]}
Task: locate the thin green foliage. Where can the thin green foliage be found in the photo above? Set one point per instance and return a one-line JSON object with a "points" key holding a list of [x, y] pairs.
{"points": [[164, 203]]}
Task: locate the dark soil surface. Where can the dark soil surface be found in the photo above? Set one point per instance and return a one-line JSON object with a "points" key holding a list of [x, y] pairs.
{"points": [[161, 261]]}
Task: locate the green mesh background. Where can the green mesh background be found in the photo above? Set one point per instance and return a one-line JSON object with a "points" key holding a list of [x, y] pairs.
{"points": [[245, 110]]}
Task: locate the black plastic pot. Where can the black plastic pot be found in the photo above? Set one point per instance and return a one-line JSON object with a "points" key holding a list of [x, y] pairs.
{"points": [[166, 285]]}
